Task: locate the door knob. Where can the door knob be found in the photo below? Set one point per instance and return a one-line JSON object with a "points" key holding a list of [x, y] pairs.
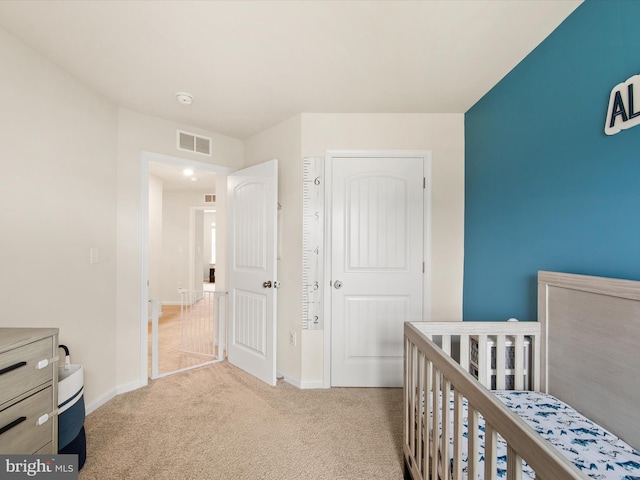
{"points": [[337, 284], [267, 284]]}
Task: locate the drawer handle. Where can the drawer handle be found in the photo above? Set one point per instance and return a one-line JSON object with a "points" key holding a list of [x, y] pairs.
{"points": [[9, 426], [12, 367]]}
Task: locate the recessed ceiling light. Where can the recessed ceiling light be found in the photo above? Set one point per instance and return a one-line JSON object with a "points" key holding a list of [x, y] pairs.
{"points": [[194, 179], [184, 98], [187, 172]]}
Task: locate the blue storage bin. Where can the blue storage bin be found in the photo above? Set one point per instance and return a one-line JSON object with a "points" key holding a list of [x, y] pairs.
{"points": [[71, 412], [77, 446]]}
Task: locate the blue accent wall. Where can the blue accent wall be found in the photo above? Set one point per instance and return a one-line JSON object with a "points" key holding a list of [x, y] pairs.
{"points": [[545, 188]]}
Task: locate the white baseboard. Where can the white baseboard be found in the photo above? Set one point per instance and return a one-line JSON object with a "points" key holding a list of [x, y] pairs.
{"points": [[297, 383], [287, 378], [93, 406], [311, 385], [129, 387], [111, 394]]}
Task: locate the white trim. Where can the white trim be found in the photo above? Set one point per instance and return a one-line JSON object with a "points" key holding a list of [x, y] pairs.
{"points": [[183, 162], [111, 394], [296, 382], [328, 207], [145, 158], [426, 155], [128, 387], [93, 406], [289, 379], [144, 268], [312, 385], [426, 238]]}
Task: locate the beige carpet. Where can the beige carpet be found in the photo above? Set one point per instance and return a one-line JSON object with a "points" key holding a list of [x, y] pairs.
{"points": [[217, 422]]}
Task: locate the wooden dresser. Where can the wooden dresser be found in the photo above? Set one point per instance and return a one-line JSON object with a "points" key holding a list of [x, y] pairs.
{"points": [[28, 390]]}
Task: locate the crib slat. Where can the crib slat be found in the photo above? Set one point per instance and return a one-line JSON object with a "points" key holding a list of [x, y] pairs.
{"points": [[500, 361], [446, 344], [536, 363], [514, 465], [435, 425], [490, 453], [426, 418], [419, 424], [519, 362], [446, 428], [464, 352], [458, 418], [416, 425], [472, 438], [409, 396], [483, 374], [413, 394]]}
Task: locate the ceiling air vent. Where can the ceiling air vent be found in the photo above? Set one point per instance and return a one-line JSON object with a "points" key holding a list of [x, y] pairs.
{"points": [[194, 143], [209, 198]]}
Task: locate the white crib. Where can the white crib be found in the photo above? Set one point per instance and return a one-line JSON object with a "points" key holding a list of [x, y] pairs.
{"points": [[583, 350]]}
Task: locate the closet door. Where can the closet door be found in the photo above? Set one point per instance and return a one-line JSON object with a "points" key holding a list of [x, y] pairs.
{"points": [[377, 266]]}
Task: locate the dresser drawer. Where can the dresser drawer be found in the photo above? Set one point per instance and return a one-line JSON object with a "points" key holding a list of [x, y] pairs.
{"points": [[18, 372], [26, 437]]}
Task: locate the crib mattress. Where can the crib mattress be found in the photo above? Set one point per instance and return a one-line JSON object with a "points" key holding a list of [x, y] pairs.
{"points": [[595, 451]]}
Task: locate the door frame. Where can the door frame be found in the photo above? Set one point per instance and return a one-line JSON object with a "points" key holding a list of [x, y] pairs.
{"points": [[330, 157], [145, 158]]}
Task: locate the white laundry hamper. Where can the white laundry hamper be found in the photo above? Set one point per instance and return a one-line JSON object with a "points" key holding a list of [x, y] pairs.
{"points": [[71, 412]]}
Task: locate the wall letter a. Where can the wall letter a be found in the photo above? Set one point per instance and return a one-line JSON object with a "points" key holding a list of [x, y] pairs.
{"points": [[622, 106], [617, 109]]}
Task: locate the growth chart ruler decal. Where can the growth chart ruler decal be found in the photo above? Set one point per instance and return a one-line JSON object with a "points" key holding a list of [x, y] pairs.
{"points": [[312, 243]]}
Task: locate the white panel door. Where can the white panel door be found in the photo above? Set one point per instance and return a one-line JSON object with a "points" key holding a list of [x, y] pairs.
{"points": [[253, 206], [377, 266]]}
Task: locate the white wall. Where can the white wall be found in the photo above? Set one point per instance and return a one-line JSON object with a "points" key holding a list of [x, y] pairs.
{"points": [[163, 287], [176, 239], [139, 133], [57, 201]]}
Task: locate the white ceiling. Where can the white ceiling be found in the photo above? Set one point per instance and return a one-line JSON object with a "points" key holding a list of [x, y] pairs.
{"points": [[252, 64], [173, 178]]}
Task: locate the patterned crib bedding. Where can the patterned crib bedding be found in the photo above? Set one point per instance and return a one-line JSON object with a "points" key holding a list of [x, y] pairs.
{"points": [[596, 452]]}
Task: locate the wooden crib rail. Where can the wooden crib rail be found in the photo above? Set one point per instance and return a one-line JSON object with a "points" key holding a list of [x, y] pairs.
{"points": [[430, 375], [499, 332]]}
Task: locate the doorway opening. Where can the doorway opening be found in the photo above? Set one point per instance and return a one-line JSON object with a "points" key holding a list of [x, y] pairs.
{"points": [[183, 285]]}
